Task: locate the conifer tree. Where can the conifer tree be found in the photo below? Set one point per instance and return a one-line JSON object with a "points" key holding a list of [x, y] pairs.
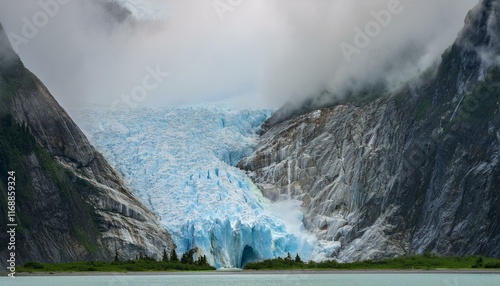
{"points": [[116, 256], [173, 256], [297, 259], [165, 256]]}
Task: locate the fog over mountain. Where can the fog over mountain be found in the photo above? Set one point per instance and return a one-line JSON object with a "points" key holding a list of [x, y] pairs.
{"points": [[251, 52]]}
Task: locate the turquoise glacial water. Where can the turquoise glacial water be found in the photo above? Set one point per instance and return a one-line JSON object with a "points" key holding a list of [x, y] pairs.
{"points": [[243, 279]]}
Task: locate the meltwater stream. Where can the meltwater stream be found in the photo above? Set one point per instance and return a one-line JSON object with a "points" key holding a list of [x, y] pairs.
{"points": [[180, 162]]}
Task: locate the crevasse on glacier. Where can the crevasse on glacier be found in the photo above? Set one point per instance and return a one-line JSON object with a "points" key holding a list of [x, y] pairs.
{"points": [[180, 162]]}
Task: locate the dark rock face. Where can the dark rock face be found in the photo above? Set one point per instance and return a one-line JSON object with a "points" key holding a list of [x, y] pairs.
{"points": [[418, 171], [71, 204]]}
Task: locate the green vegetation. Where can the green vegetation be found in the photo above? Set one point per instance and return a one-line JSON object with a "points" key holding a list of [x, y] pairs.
{"points": [[14, 78], [18, 148], [484, 99], [450, 63], [423, 108], [424, 261], [138, 265], [365, 96], [15, 146], [481, 102]]}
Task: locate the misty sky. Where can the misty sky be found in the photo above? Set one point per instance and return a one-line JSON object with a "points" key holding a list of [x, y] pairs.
{"points": [[257, 53]]}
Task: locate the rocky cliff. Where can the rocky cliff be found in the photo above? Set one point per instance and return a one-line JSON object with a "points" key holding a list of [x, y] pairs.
{"points": [[416, 171], [71, 205]]}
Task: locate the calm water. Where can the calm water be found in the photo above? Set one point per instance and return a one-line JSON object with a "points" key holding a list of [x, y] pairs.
{"points": [[343, 279]]}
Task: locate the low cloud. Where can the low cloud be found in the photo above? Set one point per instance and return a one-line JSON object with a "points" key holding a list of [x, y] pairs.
{"points": [[7, 57], [257, 52]]}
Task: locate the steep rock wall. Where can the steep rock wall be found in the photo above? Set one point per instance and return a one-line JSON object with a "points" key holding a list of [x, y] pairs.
{"points": [[417, 171], [71, 204]]}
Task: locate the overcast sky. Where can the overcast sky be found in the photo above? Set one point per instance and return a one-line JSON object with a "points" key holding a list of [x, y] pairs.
{"points": [[250, 52]]}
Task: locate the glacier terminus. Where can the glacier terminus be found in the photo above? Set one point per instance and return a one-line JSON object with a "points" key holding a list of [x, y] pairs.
{"points": [[180, 161]]}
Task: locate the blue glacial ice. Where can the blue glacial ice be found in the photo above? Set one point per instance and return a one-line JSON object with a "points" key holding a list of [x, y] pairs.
{"points": [[181, 163]]}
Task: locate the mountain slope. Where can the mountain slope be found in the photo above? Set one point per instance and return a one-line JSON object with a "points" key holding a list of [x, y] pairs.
{"points": [[71, 205], [414, 172]]}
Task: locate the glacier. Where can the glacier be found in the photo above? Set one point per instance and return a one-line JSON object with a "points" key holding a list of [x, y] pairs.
{"points": [[180, 161]]}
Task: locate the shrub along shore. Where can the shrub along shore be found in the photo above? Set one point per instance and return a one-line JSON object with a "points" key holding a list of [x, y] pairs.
{"points": [[423, 262], [138, 265], [168, 263], [420, 262]]}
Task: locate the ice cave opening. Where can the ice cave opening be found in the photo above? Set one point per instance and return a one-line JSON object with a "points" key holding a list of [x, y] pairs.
{"points": [[248, 255]]}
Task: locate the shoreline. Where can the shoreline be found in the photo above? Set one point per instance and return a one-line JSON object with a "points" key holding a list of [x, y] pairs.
{"points": [[257, 272]]}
